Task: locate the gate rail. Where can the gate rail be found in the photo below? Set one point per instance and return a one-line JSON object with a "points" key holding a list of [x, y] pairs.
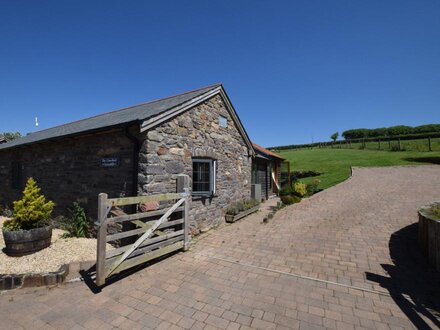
{"points": [[146, 247]]}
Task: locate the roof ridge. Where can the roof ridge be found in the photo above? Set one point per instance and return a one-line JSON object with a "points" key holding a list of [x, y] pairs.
{"points": [[129, 107]]}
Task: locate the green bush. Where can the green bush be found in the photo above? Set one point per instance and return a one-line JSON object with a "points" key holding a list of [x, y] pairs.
{"points": [[299, 189], [232, 209], [241, 206], [290, 199], [312, 187], [285, 191], [434, 211], [295, 175], [32, 211], [76, 225]]}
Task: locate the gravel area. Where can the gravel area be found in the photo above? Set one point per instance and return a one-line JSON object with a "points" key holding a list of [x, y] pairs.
{"points": [[61, 251]]}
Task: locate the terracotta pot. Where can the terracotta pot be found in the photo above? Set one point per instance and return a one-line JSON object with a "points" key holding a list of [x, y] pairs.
{"points": [[22, 242]]}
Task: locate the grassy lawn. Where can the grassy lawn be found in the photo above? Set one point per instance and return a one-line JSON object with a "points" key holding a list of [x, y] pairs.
{"points": [[334, 164]]}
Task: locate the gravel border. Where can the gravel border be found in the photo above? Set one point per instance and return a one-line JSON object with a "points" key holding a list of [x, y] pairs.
{"points": [[60, 252]]}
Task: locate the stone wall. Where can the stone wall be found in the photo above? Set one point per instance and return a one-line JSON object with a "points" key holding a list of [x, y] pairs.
{"points": [[167, 151], [70, 169]]}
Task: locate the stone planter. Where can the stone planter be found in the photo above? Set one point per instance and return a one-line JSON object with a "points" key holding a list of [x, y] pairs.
{"points": [[429, 236], [233, 218], [22, 242]]}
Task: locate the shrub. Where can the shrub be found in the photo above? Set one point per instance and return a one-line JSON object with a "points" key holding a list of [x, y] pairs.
{"points": [[232, 210], [290, 199], [77, 225], [241, 206], [295, 175], [299, 189], [32, 211], [434, 211], [250, 203], [285, 191], [312, 187]]}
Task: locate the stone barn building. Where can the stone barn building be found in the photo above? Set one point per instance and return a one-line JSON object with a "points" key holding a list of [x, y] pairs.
{"points": [[139, 150]]}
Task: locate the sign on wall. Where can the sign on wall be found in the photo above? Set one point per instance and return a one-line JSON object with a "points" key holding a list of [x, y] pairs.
{"points": [[110, 162]]}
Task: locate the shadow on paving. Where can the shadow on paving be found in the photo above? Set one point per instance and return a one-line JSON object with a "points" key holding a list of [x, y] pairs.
{"points": [[88, 276], [412, 283], [431, 160]]}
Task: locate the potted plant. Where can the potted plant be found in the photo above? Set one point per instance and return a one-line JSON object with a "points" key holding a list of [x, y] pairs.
{"points": [[429, 233], [28, 231], [241, 209]]}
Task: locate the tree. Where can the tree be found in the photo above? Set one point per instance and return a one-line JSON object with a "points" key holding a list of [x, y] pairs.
{"points": [[334, 136], [10, 135], [378, 132], [399, 130], [357, 133], [430, 128]]}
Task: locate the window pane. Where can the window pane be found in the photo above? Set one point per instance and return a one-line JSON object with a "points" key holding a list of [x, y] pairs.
{"points": [[202, 176], [223, 122]]}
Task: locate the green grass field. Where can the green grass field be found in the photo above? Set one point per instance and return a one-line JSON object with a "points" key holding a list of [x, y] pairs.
{"points": [[407, 145], [334, 164]]}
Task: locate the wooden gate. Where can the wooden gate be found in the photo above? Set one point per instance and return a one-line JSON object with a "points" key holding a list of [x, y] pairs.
{"points": [[154, 240]]}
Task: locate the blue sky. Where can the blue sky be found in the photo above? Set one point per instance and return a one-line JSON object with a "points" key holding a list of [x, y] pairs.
{"points": [[294, 70]]}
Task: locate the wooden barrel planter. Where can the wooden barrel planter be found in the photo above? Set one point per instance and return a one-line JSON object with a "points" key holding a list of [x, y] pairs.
{"points": [[429, 235], [22, 242], [233, 218]]}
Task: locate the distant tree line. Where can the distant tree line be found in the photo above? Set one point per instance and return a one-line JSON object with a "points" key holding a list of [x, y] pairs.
{"points": [[360, 133], [363, 135]]}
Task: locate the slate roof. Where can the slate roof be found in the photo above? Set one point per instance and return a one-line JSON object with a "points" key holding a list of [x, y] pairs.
{"points": [[267, 152], [115, 118]]}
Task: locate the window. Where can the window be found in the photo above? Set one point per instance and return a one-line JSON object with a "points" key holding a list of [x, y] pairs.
{"points": [[222, 121], [203, 176], [16, 175]]}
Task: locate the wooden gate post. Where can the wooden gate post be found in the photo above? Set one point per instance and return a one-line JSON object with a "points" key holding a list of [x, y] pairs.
{"points": [[183, 186], [102, 233]]}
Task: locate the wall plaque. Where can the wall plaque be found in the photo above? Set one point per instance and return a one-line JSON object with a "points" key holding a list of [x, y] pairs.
{"points": [[110, 162]]}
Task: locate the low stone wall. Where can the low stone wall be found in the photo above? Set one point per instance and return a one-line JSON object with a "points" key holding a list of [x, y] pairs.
{"points": [[429, 236], [65, 273]]}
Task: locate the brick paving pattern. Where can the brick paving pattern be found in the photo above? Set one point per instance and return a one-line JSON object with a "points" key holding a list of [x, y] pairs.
{"points": [[250, 275]]}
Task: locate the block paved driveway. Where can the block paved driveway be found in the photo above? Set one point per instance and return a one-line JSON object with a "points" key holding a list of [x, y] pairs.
{"points": [[346, 258]]}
